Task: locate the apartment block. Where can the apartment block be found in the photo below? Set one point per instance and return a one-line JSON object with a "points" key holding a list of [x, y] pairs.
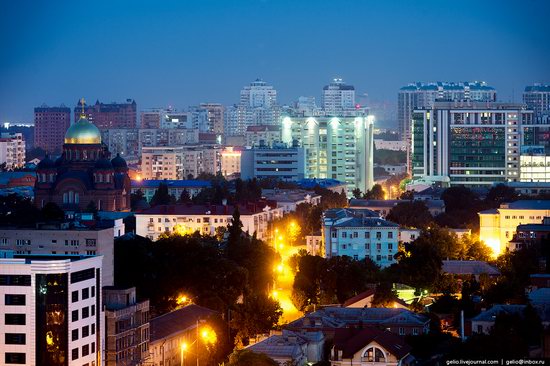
{"points": [[12, 150]]}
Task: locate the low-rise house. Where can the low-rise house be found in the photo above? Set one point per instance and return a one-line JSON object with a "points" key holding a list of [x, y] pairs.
{"points": [[484, 322], [17, 179], [408, 235], [359, 234], [189, 218], [283, 348], [383, 207], [289, 199], [539, 280], [314, 244], [169, 331], [369, 346], [530, 234], [399, 321], [469, 268], [175, 187], [364, 300]]}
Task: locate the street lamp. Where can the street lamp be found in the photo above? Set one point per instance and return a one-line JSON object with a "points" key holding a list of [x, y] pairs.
{"points": [[184, 347]]}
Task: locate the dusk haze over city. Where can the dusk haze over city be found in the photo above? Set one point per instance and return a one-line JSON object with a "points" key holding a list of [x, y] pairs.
{"points": [[275, 183]]}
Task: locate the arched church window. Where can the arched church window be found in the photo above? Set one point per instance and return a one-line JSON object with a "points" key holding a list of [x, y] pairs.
{"points": [[374, 354]]}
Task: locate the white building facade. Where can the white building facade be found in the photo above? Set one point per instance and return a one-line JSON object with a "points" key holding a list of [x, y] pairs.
{"points": [[12, 150], [51, 310], [338, 97]]}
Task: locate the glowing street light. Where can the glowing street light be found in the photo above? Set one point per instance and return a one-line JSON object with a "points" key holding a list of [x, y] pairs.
{"points": [[184, 346]]}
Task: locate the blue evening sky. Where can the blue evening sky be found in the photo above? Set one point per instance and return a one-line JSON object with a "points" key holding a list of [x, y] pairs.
{"points": [[185, 52]]}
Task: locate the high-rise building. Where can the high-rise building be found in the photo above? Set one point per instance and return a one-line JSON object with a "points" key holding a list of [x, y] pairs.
{"points": [[52, 311], [208, 117], [126, 327], [50, 125], [471, 143], [230, 161], [84, 175], [537, 98], [257, 106], [422, 95], [335, 147], [108, 115], [150, 118], [338, 97], [12, 150], [264, 136]]}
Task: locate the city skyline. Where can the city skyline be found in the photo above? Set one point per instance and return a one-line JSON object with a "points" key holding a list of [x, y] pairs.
{"points": [[163, 55]]}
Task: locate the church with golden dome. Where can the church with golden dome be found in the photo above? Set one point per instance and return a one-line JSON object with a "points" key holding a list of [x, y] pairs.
{"points": [[84, 175]]}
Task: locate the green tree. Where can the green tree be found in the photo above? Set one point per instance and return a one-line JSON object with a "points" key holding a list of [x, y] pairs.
{"points": [[51, 211], [375, 193], [185, 197], [411, 214], [257, 314], [161, 196], [384, 296], [91, 207], [248, 358], [357, 193], [499, 194]]}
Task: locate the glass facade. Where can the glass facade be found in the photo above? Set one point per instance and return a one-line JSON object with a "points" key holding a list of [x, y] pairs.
{"points": [[51, 319]]}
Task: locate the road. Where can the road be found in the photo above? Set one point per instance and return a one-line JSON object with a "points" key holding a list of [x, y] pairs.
{"points": [[283, 285]]}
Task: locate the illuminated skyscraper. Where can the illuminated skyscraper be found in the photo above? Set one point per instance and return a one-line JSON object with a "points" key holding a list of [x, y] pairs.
{"points": [[338, 97]]}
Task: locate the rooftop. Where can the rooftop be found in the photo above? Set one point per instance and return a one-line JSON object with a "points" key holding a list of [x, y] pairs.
{"points": [[178, 321], [352, 340], [190, 209], [527, 205], [323, 183], [280, 346], [491, 314], [358, 297], [185, 183], [263, 128], [391, 203], [469, 268]]}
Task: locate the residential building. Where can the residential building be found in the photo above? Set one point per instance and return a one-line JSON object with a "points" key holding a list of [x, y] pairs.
{"points": [[150, 118], [359, 234], [280, 163], [262, 136], [470, 144], [469, 268], [167, 137], [206, 219], [286, 348], [397, 145], [66, 238], [335, 147], [126, 327], [84, 175], [383, 207], [208, 117], [108, 115], [329, 319], [230, 161], [289, 199], [306, 106], [537, 98], [497, 226], [534, 164], [199, 159], [160, 163], [51, 310], [172, 118], [12, 150], [175, 187], [257, 106], [530, 235], [50, 125], [314, 244], [17, 179], [484, 322], [169, 331], [423, 96], [124, 141], [393, 169], [338, 97], [368, 346], [408, 235]]}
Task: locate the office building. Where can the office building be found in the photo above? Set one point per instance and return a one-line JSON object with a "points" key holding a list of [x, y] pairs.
{"points": [[537, 98], [337, 98], [50, 125], [205, 219], [108, 115], [67, 238], [339, 148], [280, 163], [498, 226], [359, 234], [230, 161], [257, 106], [423, 95], [534, 165], [12, 150], [126, 327], [51, 310], [84, 175], [470, 144], [262, 136]]}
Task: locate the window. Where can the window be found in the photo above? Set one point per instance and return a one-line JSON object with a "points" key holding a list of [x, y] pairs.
{"points": [[390, 257], [85, 350], [14, 299], [93, 328], [93, 347], [74, 296], [378, 257], [15, 358], [374, 354], [344, 234], [93, 291], [74, 334], [378, 235], [415, 331], [367, 246], [83, 275], [378, 246], [15, 338], [15, 280], [390, 235], [74, 354], [355, 234], [14, 319], [367, 235], [344, 246], [85, 331], [390, 247], [90, 242], [401, 331], [85, 293], [480, 329], [355, 256], [74, 315], [333, 234], [93, 310], [85, 312]]}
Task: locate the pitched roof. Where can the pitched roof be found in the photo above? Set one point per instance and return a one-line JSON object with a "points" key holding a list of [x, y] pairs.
{"points": [[358, 297], [178, 321], [352, 340], [468, 267], [540, 296], [490, 314], [280, 346]]}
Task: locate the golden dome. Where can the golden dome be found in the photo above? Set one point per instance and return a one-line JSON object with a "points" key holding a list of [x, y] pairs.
{"points": [[83, 132]]}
